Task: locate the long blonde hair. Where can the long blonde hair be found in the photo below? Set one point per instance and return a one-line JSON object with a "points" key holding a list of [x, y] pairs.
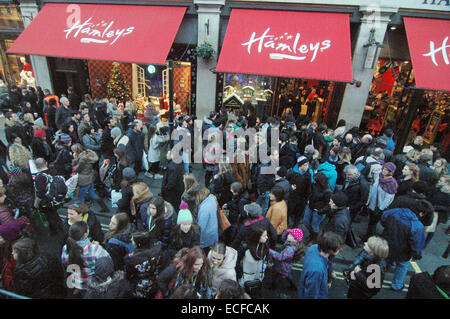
{"points": [[19, 156], [189, 181], [201, 195], [442, 169]]}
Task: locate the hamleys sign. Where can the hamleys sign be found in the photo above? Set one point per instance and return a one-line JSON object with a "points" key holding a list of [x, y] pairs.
{"points": [[286, 43], [429, 47], [124, 33]]}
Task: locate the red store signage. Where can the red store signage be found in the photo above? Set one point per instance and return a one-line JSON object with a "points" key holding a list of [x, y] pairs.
{"points": [[126, 33], [429, 46], [289, 44]]}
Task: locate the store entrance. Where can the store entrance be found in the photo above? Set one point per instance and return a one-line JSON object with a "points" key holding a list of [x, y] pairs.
{"points": [[311, 100], [69, 73]]}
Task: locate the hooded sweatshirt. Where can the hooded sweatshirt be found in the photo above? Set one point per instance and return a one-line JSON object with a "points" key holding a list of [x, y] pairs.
{"points": [[329, 170]]}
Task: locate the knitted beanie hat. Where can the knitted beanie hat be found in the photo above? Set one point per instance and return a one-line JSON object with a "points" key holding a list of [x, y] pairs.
{"points": [[116, 132], [184, 214], [302, 160], [390, 166], [309, 149], [297, 233], [39, 133], [128, 173], [340, 199], [12, 230], [65, 139]]}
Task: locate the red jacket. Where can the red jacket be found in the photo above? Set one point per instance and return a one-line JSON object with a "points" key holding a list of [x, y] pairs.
{"points": [[6, 274]]}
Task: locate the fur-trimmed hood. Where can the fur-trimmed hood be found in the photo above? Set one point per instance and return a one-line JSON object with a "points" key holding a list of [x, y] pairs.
{"points": [[102, 287]]}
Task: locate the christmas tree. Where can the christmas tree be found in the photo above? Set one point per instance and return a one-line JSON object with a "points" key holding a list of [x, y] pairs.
{"points": [[117, 86]]}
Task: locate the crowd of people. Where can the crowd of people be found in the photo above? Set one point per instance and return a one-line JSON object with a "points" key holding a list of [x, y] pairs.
{"points": [[236, 234]]}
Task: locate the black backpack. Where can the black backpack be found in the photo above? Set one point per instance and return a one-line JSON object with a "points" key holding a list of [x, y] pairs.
{"points": [[56, 190]]}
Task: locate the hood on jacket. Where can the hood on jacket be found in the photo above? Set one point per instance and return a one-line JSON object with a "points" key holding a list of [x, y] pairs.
{"points": [[102, 287], [168, 210], [230, 259], [88, 156], [326, 166]]}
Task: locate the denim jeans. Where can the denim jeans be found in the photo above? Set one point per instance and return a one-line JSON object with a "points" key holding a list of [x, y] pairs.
{"points": [[312, 219], [263, 201], [89, 190], [401, 269], [185, 158]]}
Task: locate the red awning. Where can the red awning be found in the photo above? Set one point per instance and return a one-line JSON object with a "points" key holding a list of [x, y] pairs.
{"points": [[429, 46], [306, 45], [124, 33]]}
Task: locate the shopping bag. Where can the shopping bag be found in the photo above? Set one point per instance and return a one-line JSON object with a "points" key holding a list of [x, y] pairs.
{"points": [[303, 109], [145, 161], [115, 197], [71, 184]]}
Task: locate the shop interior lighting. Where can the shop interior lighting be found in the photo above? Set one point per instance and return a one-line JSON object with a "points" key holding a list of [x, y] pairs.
{"points": [[393, 28]]}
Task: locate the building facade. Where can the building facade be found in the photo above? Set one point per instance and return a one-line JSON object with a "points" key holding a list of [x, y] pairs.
{"points": [[380, 60]]}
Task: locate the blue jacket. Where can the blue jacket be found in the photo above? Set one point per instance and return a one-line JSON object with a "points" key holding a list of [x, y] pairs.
{"points": [[207, 220], [404, 232], [330, 172], [314, 278]]}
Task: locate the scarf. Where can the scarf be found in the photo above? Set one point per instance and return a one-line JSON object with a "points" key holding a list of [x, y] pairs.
{"points": [[388, 185]]}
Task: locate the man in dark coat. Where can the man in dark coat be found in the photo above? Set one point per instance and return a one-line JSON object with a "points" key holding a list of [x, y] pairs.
{"points": [[426, 173], [62, 113], [357, 190], [339, 216], [15, 98], [74, 99], [107, 142], [172, 184], [135, 146], [301, 181]]}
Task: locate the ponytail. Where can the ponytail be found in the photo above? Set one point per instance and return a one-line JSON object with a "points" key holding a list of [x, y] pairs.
{"points": [[76, 232]]}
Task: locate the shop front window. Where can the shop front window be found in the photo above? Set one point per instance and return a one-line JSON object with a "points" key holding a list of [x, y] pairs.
{"points": [[390, 97]]}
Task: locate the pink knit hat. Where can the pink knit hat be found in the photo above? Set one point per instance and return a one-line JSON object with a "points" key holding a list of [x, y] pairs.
{"points": [[297, 233]]}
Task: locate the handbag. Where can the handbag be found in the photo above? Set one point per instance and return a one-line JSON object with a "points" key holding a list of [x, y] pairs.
{"points": [[223, 221]]}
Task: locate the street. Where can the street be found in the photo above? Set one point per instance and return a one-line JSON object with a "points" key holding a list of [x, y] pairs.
{"points": [[432, 255]]}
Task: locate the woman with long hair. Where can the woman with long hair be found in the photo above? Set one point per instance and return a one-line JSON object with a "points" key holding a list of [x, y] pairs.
{"points": [[440, 169], [192, 269], [118, 239], [155, 141], [81, 252], [191, 187], [221, 183], [139, 201]]}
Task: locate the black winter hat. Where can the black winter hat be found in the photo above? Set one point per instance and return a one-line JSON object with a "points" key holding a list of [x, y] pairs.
{"points": [[340, 199]]}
